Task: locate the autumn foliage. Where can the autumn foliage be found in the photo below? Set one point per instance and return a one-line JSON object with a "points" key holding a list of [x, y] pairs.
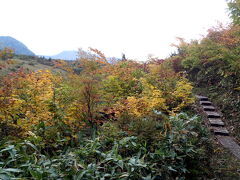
{"points": [[34, 101], [213, 65], [6, 53]]}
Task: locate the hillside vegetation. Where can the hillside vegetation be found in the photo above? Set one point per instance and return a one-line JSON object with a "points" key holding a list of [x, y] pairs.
{"points": [[213, 65], [117, 120], [91, 119], [28, 63]]}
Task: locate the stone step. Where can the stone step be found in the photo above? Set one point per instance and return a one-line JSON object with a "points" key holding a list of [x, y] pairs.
{"points": [[202, 98], [216, 122], [211, 114], [220, 131], [205, 103], [230, 144], [208, 108]]}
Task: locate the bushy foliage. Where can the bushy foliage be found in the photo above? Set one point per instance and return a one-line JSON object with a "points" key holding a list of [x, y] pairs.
{"points": [[234, 9], [107, 121], [38, 100], [126, 158], [218, 51], [213, 65], [6, 53]]}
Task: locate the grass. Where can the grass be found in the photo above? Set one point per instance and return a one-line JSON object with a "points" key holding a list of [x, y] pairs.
{"points": [[29, 64]]}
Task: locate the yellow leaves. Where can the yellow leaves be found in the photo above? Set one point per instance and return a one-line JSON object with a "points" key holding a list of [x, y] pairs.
{"points": [[144, 105], [39, 91], [153, 95], [182, 95], [30, 96], [11, 61], [150, 99], [237, 89], [73, 116], [72, 112], [136, 106], [183, 89], [38, 86], [42, 97], [61, 64], [6, 53]]}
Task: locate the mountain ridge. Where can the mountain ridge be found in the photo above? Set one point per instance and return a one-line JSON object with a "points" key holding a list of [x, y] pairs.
{"points": [[68, 55], [17, 46]]}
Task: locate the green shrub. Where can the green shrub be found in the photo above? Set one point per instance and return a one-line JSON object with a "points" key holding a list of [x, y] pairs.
{"points": [[129, 157]]}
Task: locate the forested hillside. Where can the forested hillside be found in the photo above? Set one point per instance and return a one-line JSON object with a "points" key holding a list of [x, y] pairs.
{"points": [[90, 119]]}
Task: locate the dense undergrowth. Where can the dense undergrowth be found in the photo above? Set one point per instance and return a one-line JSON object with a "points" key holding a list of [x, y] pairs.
{"points": [[112, 155], [118, 120]]}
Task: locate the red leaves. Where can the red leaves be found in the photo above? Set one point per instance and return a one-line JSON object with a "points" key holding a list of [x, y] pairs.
{"points": [[227, 36]]}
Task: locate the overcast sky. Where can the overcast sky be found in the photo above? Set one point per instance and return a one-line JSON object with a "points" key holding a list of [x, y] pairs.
{"points": [[134, 27]]}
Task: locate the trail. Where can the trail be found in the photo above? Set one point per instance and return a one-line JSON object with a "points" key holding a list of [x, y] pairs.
{"points": [[217, 126]]}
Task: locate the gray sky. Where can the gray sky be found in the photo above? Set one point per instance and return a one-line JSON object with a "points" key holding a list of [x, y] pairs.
{"points": [[135, 27]]}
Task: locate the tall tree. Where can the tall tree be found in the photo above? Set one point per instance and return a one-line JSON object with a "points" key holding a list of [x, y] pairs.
{"points": [[234, 8]]}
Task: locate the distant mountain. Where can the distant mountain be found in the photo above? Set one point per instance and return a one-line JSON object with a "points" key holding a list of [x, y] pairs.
{"points": [[17, 46], [73, 55], [65, 55]]}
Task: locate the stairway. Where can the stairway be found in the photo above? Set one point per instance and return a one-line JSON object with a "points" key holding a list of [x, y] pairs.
{"points": [[217, 126], [214, 118]]}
